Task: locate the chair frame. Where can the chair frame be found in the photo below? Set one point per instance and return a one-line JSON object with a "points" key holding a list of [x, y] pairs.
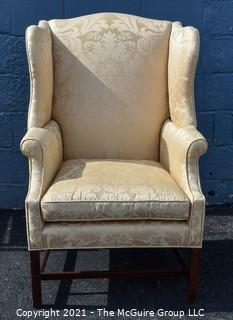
{"points": [[178, 132], [190, 272]]}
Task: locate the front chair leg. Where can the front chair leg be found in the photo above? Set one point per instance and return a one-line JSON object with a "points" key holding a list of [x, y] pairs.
{"points": [[36, 279], [194, 267]]}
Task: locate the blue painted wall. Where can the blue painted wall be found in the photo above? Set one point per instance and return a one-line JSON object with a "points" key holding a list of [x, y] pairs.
{"points": [[214, 81]]}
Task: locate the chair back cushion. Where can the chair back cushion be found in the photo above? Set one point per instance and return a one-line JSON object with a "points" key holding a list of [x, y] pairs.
{"points": [[110, 85]]}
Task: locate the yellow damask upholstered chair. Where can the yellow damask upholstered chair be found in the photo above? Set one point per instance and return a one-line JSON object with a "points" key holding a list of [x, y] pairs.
{"points": [[112, 141]]}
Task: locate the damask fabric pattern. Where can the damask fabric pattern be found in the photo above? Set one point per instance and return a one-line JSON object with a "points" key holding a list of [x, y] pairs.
{"points": [[118, 63], [183, 56], [43, 147], [110, 85], [111, 190], [183, 166], [121, 234], [40, 62]]}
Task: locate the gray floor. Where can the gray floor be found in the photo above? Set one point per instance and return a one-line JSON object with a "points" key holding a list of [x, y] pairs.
{"points": [[216, 283]]}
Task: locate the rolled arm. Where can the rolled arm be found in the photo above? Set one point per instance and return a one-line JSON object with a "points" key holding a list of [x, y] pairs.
{"points": [[180, 149], [43, 147]]}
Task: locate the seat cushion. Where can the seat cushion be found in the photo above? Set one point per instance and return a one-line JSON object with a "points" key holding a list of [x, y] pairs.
{"points": [[113, 190]]}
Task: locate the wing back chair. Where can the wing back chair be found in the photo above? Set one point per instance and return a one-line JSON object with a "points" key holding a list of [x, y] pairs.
{"points": [[112, 141]]}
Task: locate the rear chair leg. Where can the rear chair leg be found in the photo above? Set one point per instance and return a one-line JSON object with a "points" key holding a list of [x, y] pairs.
{"points": [[193, 277], [36, 279]]}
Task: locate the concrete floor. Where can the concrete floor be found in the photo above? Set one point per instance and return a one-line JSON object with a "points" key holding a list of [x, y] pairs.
{"points": [[216, 283]]}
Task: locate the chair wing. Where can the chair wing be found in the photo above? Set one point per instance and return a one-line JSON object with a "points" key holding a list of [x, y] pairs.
{"points": [[40, 62], [181, 144], [183, 56]]}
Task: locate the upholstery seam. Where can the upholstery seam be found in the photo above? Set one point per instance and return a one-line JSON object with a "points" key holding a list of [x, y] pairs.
{"points": [[120, 201], [32, 89], [112, 247], [159, 219]]}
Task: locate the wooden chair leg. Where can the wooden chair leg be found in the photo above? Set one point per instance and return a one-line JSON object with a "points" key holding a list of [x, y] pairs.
{"points": [[194, 267], [36, 279]]}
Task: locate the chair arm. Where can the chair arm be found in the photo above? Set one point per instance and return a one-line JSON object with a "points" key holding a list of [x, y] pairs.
{"points": [[43, 147], [180, 149]]}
